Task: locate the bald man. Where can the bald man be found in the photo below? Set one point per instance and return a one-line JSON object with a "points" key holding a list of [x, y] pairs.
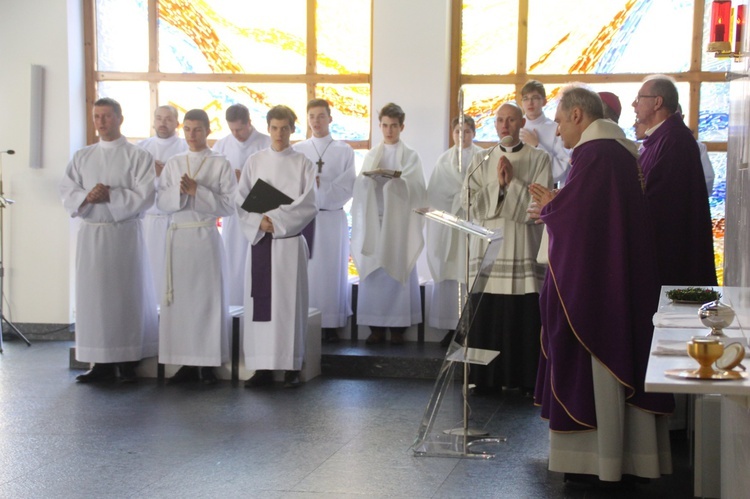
{"points": [[508, 316]]}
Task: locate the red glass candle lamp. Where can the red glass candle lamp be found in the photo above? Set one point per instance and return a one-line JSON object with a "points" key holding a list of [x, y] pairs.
{"points": [[721, 16], [739, 27]]}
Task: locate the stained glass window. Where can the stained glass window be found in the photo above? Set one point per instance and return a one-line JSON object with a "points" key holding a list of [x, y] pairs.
{"points": [[213, 53], [609, 45]]}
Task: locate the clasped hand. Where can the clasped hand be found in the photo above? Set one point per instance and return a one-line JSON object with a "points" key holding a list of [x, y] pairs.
{"points": [[541, 196], [266, 225], [504, 171], [188, 185], [99, 194]]}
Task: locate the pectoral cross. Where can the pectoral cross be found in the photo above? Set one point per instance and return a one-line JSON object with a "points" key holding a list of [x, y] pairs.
{"points": [[320, 164]]}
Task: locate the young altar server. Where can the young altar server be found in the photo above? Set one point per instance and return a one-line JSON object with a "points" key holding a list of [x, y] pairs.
{"points": [[446, 248], [387, 234], [276, 289], [196, 188], [328, 270]]}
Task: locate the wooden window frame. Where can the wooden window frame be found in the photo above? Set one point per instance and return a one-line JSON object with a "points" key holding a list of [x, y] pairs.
{"points": [[311, 78], [694, 76]]}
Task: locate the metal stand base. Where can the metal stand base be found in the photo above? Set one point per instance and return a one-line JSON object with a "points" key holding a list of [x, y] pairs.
{"points": [[14, 330]]}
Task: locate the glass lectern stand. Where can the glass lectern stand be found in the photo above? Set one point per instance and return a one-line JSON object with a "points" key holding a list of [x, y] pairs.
{"points": [[445, 428]]}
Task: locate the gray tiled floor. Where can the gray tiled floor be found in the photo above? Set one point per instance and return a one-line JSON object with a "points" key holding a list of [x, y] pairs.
{"points": [[331, 438]]}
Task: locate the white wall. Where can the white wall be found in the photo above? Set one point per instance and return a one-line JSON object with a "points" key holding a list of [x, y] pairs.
{"points": [[411, 67], [37, 233]]}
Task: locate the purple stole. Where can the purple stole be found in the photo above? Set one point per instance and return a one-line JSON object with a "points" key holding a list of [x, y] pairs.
{"points": [[261, 272]]}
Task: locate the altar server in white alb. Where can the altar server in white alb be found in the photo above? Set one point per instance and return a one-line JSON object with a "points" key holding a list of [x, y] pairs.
{"points": [[165, 144], [328, 270], [244, 141], [276, 290], [387, 234], [541, 132], [109, 186], [446, 247], [197, 187]]}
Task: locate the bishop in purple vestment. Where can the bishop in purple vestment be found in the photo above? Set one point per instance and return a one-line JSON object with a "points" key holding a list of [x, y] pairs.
{"points": [[601, 288]]}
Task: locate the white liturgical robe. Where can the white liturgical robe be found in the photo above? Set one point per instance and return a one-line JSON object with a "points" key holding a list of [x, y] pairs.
{"points": [[235, 242], [550, 143], [280, 342], [156, 222], [446, 247], [194, 323], [328, 270], [516, 270], [116, 318], [387, 237]]}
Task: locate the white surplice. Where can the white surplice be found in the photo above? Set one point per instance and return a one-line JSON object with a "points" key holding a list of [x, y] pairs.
{"points": [[280, 342], [116, 319], [235, 243], [194, 323], [328, 270], [156, 222], [550, 143], [387, 237], [515, 270], [446, 247]]}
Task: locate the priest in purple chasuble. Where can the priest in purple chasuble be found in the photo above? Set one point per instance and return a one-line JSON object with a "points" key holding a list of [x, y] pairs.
{"points": [[675, 188], [597, 301]]}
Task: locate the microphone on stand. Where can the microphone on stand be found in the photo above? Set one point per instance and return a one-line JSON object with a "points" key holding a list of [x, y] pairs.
{"points": [[9, 151]]}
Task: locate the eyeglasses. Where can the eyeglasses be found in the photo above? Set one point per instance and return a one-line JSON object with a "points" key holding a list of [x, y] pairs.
{"points": [[639, 97], [533, 97]]}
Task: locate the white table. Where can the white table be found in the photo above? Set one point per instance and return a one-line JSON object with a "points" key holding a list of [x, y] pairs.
{"points": [[679, 323]]}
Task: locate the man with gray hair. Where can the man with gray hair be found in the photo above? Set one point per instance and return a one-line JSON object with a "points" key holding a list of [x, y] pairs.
{"points": [[675, 187], [597, 301]]}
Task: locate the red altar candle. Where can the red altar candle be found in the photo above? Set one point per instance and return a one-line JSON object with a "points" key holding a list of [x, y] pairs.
{"points": [[721, 12]]}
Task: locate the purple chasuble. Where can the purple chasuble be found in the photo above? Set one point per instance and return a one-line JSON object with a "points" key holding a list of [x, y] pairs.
{"points": [[601, 288], [678, 202], [261, 272]]}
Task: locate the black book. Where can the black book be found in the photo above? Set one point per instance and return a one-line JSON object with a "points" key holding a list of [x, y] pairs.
{"points": [[264, 197]]}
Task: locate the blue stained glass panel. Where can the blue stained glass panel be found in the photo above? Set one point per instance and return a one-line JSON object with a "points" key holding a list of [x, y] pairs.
{"points": [[713, 120], [616, 37], [122, 35]]}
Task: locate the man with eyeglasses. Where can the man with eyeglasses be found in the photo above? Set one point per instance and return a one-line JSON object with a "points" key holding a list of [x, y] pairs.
{"points": [[541, 132], [675, 187]]}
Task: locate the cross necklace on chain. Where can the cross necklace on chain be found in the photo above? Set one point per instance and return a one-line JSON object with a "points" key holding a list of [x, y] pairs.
{"points": [[199, 166], [320, 161]]}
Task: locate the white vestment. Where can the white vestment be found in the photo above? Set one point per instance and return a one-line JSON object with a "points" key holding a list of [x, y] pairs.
{"points": [[194, 323], [446, 247], [328, 270], [387, 237], [550, 143], [156, 222], [280, 342], [515, 270], [235, 243], [708, 169], [116, 318]]}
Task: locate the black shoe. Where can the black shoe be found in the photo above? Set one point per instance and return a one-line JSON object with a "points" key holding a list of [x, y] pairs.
{"points": [[127, 372], [262, 377], [184, 374], [291, 379], [98, 373], [330, 335], [208, 377], [447, 338]]}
